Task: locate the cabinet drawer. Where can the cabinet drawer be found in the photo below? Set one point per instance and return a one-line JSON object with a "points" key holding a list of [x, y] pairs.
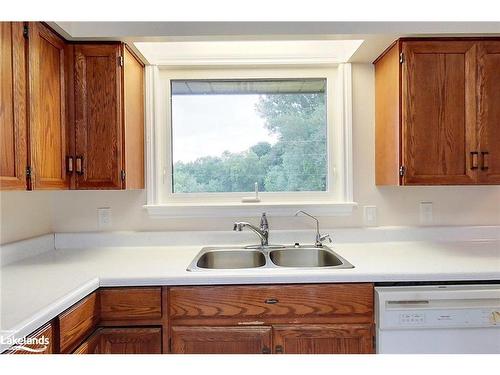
{"points": [[78, 322], [130, 303], [255, 305]]}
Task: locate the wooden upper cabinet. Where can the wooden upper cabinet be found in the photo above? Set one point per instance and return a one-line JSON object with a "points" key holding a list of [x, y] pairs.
{"points": [[47, 114], [488, 120], [437, 112], [323, 339], [438, 102], [98, 115], [133, 121], [221, 340], [13, 122], [109, 117]]}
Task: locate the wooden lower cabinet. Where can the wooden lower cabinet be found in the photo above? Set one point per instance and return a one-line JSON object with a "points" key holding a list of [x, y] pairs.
{"points": [[46, 333], [279, 339], [232, 319], [221, 340], [128, 340], [323, 339]]}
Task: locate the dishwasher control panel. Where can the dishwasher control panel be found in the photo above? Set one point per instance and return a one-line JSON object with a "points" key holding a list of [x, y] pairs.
{"points": [[429, 307], [440, 318]]}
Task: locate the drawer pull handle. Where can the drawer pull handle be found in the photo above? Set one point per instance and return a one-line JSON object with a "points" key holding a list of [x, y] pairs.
{"points": [[272, 301], [254, 323], [278, 349], [266, 350]]}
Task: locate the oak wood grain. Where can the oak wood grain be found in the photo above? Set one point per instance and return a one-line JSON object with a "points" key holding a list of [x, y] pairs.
{"points": [[130, 303], [78, 322], [13, 121], [323, 339], [47, 114], [221, 340], [263, 304], [388, 117], [438, 112], [133, 107], [123, 340], [46, 331], [488, 115], [98, 115]]}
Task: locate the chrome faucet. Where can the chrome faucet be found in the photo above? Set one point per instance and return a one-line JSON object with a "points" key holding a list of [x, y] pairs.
{"points": [[319, 238], [262, 232]]}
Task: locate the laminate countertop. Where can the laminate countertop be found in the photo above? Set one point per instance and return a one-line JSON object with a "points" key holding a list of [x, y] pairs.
{"points": [[36, 289]]}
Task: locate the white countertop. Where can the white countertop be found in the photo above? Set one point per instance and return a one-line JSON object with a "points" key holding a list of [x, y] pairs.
{"points": [[38, 288]]}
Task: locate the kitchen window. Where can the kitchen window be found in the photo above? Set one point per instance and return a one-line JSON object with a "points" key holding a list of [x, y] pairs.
{"points": [[245, 140]]}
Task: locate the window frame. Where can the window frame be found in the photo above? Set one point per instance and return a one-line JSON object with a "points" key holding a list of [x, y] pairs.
{"points": [[162, 202]]}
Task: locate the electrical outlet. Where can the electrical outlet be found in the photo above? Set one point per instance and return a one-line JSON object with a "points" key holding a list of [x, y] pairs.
{"points": [[426, 216], [370, 215], [104, 217]]}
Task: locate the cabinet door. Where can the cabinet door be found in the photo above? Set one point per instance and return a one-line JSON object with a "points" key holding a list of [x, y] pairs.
{"points": [[13, 141], [489, 112], [98, 116], [47, 108], [439, 112], [323, 339], [126, 340], [44, 343], [221, 340]]}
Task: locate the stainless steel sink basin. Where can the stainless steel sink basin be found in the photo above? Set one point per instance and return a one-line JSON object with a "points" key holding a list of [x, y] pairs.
{"points": [[231, 259], [303, 257]]}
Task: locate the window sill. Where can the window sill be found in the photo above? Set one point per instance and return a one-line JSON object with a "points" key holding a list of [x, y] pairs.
{"points": [[238, 209]]}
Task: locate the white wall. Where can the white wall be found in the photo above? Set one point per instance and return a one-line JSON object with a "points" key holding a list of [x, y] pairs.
{"points": [[453, 205], [24, 214]]}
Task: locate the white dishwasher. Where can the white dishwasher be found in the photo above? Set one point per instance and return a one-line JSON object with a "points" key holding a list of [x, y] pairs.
{"points": [[438, 319]]}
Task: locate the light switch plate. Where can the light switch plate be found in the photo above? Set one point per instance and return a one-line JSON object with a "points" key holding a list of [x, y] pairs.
{"points": [[370, 216], [104, 217], [426, 215]]}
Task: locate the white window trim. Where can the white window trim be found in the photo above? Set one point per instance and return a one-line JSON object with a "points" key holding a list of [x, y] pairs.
{"points": [[162, 203]]}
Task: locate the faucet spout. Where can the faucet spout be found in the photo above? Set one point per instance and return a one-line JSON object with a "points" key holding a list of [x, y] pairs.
{"points": [[262, 232], [319, 238]]}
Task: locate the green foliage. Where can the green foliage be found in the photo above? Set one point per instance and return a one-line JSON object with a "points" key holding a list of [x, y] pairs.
{"points": [[296, 162]]}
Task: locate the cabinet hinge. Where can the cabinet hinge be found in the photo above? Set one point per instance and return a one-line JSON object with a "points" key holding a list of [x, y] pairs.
{"points": [[122, 175], [28, 172], [401, 58], [120, 60], [26, 31], [402, 170]]}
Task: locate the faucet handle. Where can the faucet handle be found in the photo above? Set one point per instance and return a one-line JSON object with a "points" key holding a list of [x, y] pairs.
{"points": [[324, 237], [264, 225]]}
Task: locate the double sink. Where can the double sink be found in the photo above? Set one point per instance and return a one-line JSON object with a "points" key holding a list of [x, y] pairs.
{"points": [[272, 256]]}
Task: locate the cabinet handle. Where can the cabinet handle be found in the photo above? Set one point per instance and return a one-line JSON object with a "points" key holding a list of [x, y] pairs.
{"points": [[69, 164], [473, 159], [484, 160], [272, 301], [266, 350], [278, 349], [79, 165]]}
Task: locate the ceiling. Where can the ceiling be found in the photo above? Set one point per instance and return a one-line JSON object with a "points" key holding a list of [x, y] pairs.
{"points": [[377, 36]]}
